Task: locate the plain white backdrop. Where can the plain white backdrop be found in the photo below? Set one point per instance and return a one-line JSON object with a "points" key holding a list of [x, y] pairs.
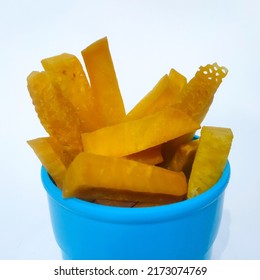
{"points": [[146, 39]]}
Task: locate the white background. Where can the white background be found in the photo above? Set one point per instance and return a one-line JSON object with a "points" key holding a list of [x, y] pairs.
{"points": [[146, 39]]}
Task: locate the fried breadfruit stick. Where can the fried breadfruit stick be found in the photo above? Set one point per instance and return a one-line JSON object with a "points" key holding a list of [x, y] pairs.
{"points": [[195, 100], [50, 158], [165, 93], [68, 76], [56, 114], [93, 176], [104, 83], [134, 136], [210, 159]]}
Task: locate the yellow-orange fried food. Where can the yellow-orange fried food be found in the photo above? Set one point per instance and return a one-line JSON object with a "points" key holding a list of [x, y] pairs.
{"points": [[178, 81], [50, 159], [97, 152], [164, 94], [134, 136], [198, 94], [184, 156], [56, 114], [151, 155], [104, 83], [210, 160], [68, 76], [91, 176], [195, 100]]}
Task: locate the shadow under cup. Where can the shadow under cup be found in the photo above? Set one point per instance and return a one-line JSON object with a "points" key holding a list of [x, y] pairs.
{"points": [[183, 230]]}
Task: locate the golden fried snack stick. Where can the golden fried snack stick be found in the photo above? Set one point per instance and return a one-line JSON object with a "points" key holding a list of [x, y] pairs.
{"points": [[104, 83], [95, 176]]}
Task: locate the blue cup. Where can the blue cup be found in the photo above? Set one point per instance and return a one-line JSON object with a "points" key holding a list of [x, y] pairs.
{"points": [[179, 231]]}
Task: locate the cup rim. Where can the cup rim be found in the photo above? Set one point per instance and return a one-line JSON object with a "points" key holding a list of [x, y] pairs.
{"points": [[148, 214]]}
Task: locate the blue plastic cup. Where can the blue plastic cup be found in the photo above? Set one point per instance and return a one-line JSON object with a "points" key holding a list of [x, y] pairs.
{"points": [[183, 230]]}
